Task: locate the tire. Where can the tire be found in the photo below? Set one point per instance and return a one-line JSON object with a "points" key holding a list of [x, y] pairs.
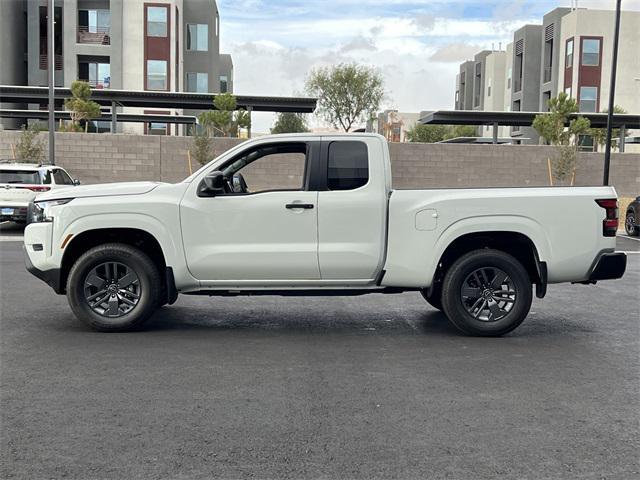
{"points": [[122, 272], [631, 225], [433, 298], [475, 311]]}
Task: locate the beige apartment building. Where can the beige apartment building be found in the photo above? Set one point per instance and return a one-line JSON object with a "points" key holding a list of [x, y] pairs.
{"points": [[158, 45], [570, 51]]}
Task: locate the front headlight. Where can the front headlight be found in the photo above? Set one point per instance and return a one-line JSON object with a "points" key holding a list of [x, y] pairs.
{"points": [[41, 211]]}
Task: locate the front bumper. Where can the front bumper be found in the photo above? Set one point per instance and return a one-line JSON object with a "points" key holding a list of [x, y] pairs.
{"points": [[50, 277], [608, 267], [13, 213]]}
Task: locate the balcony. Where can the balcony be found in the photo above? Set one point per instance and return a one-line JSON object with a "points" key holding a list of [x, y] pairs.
{"points": [[44, 60], [94, 35]]}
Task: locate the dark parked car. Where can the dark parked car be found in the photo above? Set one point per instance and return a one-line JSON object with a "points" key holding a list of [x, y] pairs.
{"points": [[632, 219]]}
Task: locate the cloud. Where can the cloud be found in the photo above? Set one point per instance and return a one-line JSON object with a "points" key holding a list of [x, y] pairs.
{"points": [[455, 52], [416, 44], [358, 43]]}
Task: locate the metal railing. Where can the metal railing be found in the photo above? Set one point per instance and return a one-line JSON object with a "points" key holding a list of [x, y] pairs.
{"points": [[98, 35], [44, 60], [96, 83]]}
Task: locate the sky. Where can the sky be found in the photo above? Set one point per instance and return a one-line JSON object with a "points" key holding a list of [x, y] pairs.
{"points": [[417, 45]]}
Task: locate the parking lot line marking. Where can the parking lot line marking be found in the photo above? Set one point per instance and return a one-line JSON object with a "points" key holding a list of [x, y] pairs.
{"points": [[630, 238]]}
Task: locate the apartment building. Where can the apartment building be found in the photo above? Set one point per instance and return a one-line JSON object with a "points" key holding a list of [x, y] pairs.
{"points": [[395, 126], [158, 45], [571, 52]]}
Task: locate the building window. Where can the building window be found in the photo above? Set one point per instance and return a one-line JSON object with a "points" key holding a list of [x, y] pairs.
{"points": [[588, 99], [217, 24], [154, 128], [198, 37], [591, 51], [198, 82], [519, 71], [568, 62], [509, 73], [156, 74], [516, 108], [157, 21], [224, 84], [548, 61], [99, 74]]}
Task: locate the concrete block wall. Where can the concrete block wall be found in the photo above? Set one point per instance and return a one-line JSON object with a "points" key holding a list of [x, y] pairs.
{"points": [[111, 158]]}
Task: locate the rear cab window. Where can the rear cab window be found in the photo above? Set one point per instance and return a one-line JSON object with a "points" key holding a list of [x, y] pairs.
{"points": [[348, 165]]}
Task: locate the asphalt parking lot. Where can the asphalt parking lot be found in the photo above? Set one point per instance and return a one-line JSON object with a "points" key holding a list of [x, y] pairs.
{"points": [[363, 387]]}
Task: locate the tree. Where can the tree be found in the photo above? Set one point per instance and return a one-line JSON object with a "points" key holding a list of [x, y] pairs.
{"points": [[202, 148], [30, 148], [290, 123], [226, 119], [462, 131], [80, 105], [421, 133], [436, 133], [558, 130], [600, 134], [348, 94]]}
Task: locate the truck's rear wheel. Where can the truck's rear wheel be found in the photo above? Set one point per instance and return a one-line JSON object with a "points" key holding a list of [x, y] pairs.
{"points": [[114, 287], [486, 293]]}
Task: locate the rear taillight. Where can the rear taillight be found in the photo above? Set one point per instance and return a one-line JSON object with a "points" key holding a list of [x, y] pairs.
{"points": [[610, 223], [37, 188]]}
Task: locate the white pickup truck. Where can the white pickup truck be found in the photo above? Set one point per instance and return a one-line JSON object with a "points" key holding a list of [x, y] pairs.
{"points": [[316, 215]]}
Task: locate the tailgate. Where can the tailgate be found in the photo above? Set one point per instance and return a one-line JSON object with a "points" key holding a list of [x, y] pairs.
{"points": [[10, 195]]}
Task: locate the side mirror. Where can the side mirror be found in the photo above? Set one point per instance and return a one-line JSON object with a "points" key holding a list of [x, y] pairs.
{"points": [[76, 182], [213, 184]]}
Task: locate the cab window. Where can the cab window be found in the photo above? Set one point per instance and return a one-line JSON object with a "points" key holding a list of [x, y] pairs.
{"points": [[62, 178], [276, 166], [348, 165]]}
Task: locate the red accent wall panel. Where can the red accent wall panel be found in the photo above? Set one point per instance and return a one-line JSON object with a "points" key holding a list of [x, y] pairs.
{"points": [[590, 75], [157, 48]]}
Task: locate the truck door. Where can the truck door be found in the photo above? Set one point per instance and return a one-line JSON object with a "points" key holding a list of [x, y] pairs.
{"points": [[264, 227], [352, 208]]}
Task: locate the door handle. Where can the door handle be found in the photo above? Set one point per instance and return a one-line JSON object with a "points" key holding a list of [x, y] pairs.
{"points": [[306, 206]]}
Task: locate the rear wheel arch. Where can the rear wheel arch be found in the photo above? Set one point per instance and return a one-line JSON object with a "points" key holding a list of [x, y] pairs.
{"points": [[515, 244]]}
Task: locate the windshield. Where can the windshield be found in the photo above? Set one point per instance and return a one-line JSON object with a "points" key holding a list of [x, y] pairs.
{"points": [[20, 176]]}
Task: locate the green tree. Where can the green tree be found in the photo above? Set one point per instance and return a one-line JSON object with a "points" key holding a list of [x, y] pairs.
{"points": [[226, 119], [202, 145], [600, 134], [81, 106], [30, 147], [432, 133], [566, 134], [348, 94], [421, 133], [290, 123], [462, 131]]}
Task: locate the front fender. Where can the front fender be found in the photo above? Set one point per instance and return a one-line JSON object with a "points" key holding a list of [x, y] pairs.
{"points": [[169, 239]]}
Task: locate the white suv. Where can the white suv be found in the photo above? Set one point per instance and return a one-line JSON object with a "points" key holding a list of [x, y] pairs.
{"points": [[21, 182]]}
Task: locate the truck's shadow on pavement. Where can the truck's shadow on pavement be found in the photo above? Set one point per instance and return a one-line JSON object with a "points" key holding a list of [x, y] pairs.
{"points": [[432, 323]]}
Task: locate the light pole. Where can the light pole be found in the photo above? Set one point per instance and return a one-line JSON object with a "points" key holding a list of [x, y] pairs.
{"points": [[612, 92], [52, 79]]}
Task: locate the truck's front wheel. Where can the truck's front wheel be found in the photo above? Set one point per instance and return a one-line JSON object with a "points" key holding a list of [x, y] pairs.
{"points": [[114, 287], [486, 293]]}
